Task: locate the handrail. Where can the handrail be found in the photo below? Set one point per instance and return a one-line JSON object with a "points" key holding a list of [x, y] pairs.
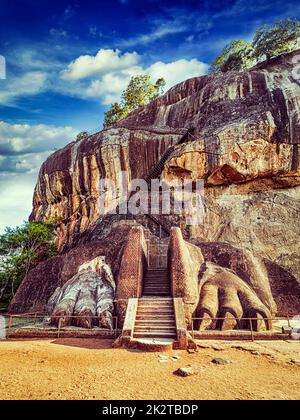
{"points": [[36, 316], [251, 331]]}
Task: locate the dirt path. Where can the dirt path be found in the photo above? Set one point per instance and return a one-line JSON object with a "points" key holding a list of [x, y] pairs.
{"points": [[91, 369]]}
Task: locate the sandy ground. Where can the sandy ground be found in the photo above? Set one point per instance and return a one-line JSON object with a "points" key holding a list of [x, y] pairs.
{"points": [[91, 369]]}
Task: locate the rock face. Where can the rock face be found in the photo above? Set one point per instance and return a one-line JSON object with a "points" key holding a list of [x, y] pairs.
{"points": [[68, 188], [239, 132]]}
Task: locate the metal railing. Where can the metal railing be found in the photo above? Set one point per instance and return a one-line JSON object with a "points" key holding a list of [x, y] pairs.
{"points": [[252, 321], [33, 320]]}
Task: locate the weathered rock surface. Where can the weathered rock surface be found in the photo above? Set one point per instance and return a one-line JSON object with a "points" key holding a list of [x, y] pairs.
{"points": [[244, 142], [68, 188]]}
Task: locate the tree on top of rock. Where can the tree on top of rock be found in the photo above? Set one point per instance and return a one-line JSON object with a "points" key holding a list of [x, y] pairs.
{"points": [[272, 40], [269, 41], [139, 92], [235, 56]]}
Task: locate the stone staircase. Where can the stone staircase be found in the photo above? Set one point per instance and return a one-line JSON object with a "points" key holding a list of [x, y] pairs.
{"points": [[156, 282], [155, 317], [155, 321]]}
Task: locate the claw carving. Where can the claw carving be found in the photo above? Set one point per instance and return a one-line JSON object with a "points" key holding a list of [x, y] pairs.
{"points": [[86, 299], [224, 295]]}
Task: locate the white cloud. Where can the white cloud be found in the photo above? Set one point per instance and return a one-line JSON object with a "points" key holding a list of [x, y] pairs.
{"points": [[108, 86], [160, 31], [23, 149], [16, 198], [106, 60], [19, 139], [30, 83], [58, 33], [101, 77], [177, 71], [108, 89], [23, 164]]}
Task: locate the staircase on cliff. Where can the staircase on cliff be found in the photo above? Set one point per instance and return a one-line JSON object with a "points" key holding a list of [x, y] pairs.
{"points": [[155, 316], [155, 173], [156, 282]]}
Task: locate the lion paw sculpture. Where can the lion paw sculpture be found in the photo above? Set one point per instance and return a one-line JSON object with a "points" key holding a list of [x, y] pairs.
{"points": [[224, 295], [87, 299]]}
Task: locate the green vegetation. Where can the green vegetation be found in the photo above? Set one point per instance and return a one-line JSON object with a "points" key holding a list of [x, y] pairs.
{"points": [[269, 41], [81, 136], [235, 56], [272, 40], [139, 92], [21, 249]]}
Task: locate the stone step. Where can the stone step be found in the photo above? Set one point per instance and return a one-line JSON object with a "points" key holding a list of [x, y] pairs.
{"points": [[156, 292], [156, 299], [167, 321], [156, 334], [156, 282], [153, 281], [164, 310], [148, 328], [156, 307], [157, 285], [155, 313], [158, 317], [149, 317], [156, 274], [154, 327], [167, 283]]}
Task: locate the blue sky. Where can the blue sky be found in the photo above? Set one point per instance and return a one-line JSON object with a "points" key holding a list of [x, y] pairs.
{"points": [[68, 60]]}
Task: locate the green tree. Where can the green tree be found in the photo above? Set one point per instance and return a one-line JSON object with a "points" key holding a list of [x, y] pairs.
{"points": [[139, 92], [116, 113], [81, 136], [272, 40], [21, 249], [236, 56]]}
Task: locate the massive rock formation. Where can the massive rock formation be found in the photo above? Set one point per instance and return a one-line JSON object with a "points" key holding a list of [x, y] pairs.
{"points": [[239, 132]]}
